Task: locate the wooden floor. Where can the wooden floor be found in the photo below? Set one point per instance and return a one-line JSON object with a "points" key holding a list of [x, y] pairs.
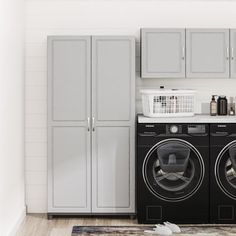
{"points": [[39, 225]]}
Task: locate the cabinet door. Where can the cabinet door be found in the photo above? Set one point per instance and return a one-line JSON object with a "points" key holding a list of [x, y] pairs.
{"points": [[233, 53], [70, 169], [69, 145], [111, 170], [113, 109], [163, 53], [207, 53], [69, 69]]}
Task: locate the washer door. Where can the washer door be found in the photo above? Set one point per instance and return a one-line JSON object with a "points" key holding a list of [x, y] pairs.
{"points": [[225, 170], [173, 170]]}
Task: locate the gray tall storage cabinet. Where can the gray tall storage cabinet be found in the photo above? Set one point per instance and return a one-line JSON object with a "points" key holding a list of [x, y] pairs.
{"points": [[91, 118]]}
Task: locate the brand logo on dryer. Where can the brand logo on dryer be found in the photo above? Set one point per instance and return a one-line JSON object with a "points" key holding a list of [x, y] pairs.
{"points": [[149, 126], [221, 126]]}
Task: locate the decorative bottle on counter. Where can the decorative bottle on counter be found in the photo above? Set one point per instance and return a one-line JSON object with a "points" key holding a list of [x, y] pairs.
{"points": [[213, 106], [222, 106], [231, 105], [231, 111]]}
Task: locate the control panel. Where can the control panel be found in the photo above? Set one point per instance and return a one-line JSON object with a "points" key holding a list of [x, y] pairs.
{"points": [[156, 130]]}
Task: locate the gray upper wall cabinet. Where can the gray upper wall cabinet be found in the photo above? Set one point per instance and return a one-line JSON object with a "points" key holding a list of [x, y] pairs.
{"points": [[190, 53], [163, 53], [233, 53], [207, 53], [91, 124]]}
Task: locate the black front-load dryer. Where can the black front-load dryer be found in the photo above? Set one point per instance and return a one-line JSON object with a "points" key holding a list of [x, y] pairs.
{"points": [[172, 173], [223, 173]]}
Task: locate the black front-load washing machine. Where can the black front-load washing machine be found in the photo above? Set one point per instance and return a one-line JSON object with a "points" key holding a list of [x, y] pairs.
{"points": [[172, 173], [223, 173]]}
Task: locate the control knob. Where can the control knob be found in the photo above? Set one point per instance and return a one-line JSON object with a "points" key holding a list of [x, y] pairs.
{"points": [[174, 129]]}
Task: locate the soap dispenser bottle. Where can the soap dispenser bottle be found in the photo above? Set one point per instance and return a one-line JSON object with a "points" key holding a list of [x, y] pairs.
{"points": [[213, 106], [222, 105]]}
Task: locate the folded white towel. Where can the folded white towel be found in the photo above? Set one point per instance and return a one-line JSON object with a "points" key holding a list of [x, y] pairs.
{"points": [[173, 227], [162, 230]]}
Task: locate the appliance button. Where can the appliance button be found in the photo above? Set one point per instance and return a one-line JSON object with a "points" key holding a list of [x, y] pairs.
{"points": [[174, 129]]}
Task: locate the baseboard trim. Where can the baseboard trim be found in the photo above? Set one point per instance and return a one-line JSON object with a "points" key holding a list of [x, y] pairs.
{"points": [[18, 222]]}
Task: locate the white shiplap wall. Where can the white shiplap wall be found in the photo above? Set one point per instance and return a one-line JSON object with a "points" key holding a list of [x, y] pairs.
{"points": [[110, 17]]}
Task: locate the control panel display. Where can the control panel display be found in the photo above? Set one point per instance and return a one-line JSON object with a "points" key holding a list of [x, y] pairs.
{"points": [[196, 129]]}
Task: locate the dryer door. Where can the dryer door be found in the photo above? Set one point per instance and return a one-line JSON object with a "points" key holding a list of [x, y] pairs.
{"points": [[225, 170], [173, 170]]}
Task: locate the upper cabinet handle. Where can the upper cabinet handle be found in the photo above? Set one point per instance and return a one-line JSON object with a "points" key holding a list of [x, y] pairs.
{"points": [[88, 120], [227, 53], [93, 126], [183, 53], [232, 53]]}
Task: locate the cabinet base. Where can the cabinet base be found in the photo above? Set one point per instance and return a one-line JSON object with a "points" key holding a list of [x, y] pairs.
{"points": [[132, 216]]}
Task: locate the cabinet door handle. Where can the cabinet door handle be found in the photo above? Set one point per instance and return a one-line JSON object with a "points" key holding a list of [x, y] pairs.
{"points": [[227, 53], [232, 53], [183, 53], [88, 120], [93, 126]]}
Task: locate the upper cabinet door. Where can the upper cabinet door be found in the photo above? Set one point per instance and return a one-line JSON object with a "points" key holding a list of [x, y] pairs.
{"points": [[163, 53], [207, 53], [233, 53], [112, 78], [69, 73]]}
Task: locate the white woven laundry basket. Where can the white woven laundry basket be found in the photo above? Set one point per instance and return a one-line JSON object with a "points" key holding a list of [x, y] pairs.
{"points": [[168, 103]]}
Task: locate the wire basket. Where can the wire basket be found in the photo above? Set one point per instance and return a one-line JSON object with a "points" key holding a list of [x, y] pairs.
{"points": [[168, 103]]}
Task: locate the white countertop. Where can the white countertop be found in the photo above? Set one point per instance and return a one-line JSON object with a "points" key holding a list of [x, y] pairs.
{"points": [[199, 118]]}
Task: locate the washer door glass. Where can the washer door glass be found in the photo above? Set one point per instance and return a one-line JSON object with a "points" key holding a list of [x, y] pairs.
{"points": [[173, 170], [225, 170]]}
